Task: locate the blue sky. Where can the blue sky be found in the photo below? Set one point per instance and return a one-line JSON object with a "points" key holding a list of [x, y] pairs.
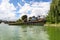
{"points": [[14, 9], [27, 1]]}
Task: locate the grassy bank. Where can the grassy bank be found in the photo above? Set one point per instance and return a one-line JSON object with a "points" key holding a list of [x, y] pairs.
{"points": [[53, 32], [52, 25]]}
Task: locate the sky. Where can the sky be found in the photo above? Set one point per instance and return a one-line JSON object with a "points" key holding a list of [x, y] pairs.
{"points": [[12, 10]]}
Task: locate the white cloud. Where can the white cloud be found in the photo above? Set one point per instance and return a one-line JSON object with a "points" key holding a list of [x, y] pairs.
{"points": [[7, 10], [37, 8], [23, 0], [19, 5], [41, 8], [24, 9]]}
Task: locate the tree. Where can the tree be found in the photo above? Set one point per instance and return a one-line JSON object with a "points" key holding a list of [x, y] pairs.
{"points": [[19, 20], [30, 18], [24, 18], [53, 16]]}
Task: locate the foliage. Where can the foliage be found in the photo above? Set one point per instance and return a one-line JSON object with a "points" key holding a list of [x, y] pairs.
{"points": [[54, 13], [30, 18], [19, 20], [24, 18]]}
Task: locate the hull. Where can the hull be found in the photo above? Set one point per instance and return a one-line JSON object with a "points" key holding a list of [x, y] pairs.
{"points": [[28, 23]]}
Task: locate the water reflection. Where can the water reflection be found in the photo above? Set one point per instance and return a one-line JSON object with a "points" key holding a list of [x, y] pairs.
{"points": [[23, 33]]}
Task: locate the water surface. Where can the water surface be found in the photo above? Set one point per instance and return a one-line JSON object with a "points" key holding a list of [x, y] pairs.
{"points": [[8, 32]]}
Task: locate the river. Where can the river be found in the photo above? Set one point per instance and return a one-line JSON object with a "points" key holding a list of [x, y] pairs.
{"points": [[9, 32]]}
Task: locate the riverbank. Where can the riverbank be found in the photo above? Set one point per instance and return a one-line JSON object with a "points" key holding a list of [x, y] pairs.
{"points": [[54, 25]]}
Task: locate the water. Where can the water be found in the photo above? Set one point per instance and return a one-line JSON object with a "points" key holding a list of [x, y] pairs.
{"points": [[8, 32]]}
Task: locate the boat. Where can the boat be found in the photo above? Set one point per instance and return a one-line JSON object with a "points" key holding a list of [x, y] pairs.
{"points": [[41, 23]]}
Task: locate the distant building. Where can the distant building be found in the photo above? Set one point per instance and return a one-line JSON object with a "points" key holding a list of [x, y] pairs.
{"points": [[33, 19], [37, 19]]}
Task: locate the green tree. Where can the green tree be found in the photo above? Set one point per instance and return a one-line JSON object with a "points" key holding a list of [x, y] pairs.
{"points": [[19, 20], [53, 16], [30, 18], [24, 18]]}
